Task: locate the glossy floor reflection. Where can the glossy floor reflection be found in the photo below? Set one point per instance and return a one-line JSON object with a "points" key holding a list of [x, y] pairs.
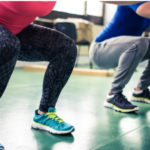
{"points": [[80, 104]]}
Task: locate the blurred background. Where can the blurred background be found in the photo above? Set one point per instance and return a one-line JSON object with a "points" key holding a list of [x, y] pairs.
{"points": [[88, 23], [82, 98]]}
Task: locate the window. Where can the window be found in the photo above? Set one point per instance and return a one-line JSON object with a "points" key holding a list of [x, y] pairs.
{"points": [[94, 8], [73, 7]]}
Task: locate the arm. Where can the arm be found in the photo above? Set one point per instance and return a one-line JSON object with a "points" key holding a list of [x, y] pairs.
{"points": [[144, 10], [122, 2]]}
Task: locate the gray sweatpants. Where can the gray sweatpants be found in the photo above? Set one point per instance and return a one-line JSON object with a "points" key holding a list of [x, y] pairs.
{"points": [[125, 53]]}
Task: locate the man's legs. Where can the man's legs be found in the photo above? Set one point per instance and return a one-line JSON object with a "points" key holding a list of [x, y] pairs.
{"points": [[125, 53], [141, 92], [144, 81]]}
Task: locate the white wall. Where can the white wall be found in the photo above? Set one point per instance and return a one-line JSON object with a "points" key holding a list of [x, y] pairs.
{"points": [[109, 12]]}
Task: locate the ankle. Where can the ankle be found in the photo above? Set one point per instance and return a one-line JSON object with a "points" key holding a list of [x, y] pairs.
{"points": [[110, 93], [40, 112], [137, 89]]}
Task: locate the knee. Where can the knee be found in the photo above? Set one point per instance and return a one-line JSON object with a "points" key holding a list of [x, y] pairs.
{"points": [[139, 46], [69, 50], [9, 49], [13, 47], [10, 44], [72, 49], [142, 45]]}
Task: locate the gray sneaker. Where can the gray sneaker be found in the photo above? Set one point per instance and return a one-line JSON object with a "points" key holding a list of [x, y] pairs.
{"points": [[1, 147]]}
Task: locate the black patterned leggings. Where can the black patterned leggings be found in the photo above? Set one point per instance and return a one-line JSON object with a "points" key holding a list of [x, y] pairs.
{"points": [[36, 43]]}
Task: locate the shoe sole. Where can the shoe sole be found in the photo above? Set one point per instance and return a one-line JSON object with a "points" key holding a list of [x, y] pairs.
{"points": [[2, 149], [109, 105], [38, 126], [140, 99]]}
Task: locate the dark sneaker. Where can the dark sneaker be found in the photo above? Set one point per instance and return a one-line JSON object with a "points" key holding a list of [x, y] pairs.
{"points": [[120, 103], [1, 147], [141, 96]]}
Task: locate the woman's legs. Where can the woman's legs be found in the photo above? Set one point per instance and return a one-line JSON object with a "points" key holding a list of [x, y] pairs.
{"points": [[44, 44], [9, 51]]}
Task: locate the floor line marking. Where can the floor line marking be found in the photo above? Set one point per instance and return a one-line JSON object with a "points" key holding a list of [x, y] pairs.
{"points": [[117, 138]]}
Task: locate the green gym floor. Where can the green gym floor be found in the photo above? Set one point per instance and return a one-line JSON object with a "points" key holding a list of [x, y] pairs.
{"points": [[80, 104]]}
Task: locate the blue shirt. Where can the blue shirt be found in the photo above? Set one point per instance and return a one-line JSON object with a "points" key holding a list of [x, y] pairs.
{"points": [[125, 22]]}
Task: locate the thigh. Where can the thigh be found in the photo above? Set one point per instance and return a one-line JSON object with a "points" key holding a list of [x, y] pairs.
{"points": [[41, 44], [147, 55], [106, 54]]}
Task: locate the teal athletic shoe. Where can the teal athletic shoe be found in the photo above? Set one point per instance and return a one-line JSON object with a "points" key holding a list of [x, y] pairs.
{"points": [[51, 122], [1, 147]]}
